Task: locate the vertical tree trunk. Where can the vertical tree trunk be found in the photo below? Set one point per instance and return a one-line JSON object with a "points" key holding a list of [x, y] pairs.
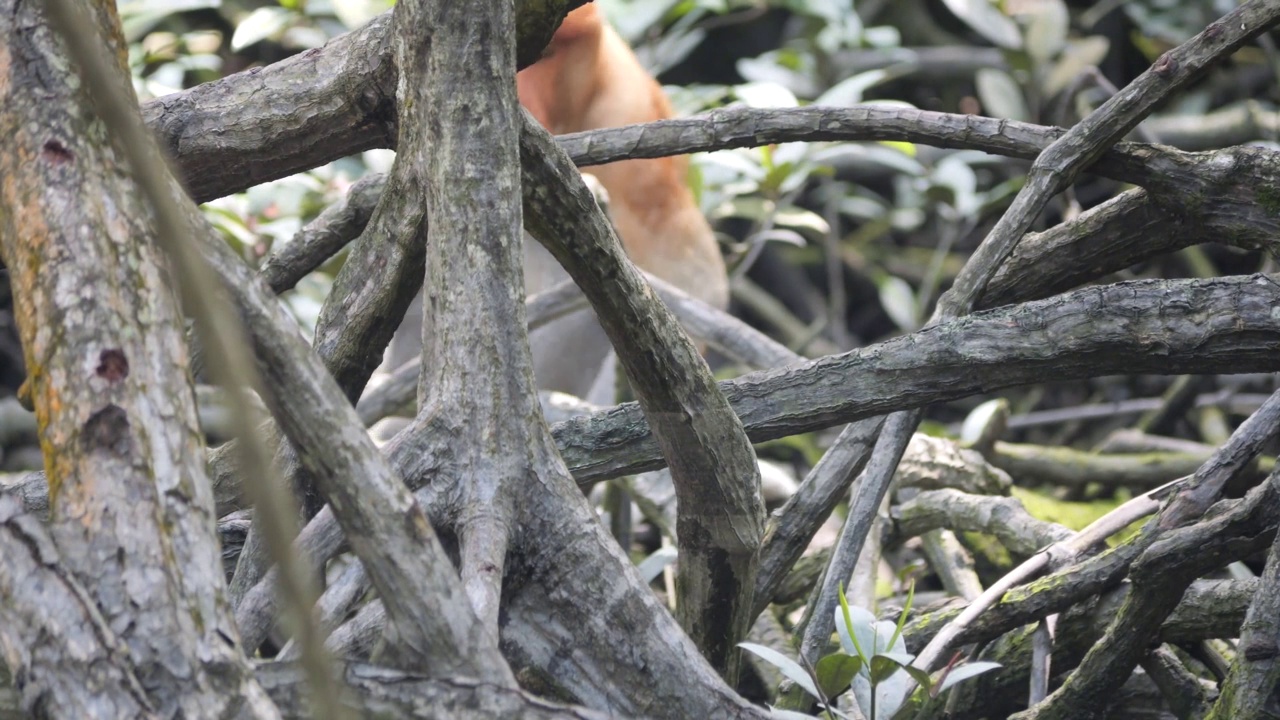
{"points": [[131, 509]]}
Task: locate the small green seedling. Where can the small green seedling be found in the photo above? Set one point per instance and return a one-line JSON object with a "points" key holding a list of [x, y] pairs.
{"points": [[872, 663]]}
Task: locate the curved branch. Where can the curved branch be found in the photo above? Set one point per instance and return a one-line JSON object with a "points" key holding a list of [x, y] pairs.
{"points": [[721, 514], [306, 110]]}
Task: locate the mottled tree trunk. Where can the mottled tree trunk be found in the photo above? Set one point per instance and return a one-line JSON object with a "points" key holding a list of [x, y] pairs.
{"points": [[133, 612]]}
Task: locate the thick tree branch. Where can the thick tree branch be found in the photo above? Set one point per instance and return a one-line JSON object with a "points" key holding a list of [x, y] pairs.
{"points": [[379, 518], [302, 112], [382, 692], [1252, 680], [1002, 517], [324, 237], [1167, 327], [131, 512], [46, 608], [267, 123], [1088, 338]]}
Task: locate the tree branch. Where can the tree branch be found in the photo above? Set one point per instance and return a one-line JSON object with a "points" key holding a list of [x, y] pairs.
{"points": [[1167, 327], [721, 514], [306, 110]]}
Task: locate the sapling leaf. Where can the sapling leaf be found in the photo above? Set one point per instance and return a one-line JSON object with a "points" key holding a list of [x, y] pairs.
{"points": [[888, 640], [903, 659], [788, 667], [902, 618], [836, 671], [889, 693], [781, 714], [882, 668], [921, 677], [862, 694], [855, 626]]}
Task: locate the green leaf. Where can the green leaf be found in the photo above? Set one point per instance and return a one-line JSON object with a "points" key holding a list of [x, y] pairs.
{"points": [[655, 563], [921, 677], [789, 237], [902, 618], [1047, 23], [850, 623], [886, 643], [848, 92], [882, 668], [631, 19], [788, 69], [899, 302], [355, 13], [869, 153], [788, 714], [882, 36], [795, 217], [836, 671], [766, 95], [901, 658], [138, 17], [976, 422], [909, 707], [1080, 54], [788, 667], [906, 148]]}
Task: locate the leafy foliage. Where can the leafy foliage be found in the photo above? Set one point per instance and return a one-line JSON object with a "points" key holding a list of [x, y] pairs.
{"points": [[873, 664]]}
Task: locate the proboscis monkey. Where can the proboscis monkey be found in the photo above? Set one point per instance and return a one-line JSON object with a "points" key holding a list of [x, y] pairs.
{"points": [[589, 78]]}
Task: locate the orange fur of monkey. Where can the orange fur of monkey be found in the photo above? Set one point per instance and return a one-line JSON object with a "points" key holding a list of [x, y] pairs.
{"points": [[588, 79]]}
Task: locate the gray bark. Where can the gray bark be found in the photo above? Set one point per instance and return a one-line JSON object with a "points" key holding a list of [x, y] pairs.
{"points": [[130, 553]]}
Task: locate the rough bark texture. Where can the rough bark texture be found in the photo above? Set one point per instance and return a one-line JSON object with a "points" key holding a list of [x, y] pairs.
{"points": [[871, 381], [720, 512], [114, 605], [385, 267], [373, 691], [1175, 326], [267, 123], [1191, 197], [1160, 576], [476, 385], [1249, 688], [379, 518], [131, 509]]}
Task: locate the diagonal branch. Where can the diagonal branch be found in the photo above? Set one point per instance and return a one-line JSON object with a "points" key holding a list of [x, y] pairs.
{"points": [[721, 514], [1058, 166]]}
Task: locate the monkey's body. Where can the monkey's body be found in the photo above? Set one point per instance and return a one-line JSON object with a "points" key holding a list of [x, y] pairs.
{"points": [[590, 79]]}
